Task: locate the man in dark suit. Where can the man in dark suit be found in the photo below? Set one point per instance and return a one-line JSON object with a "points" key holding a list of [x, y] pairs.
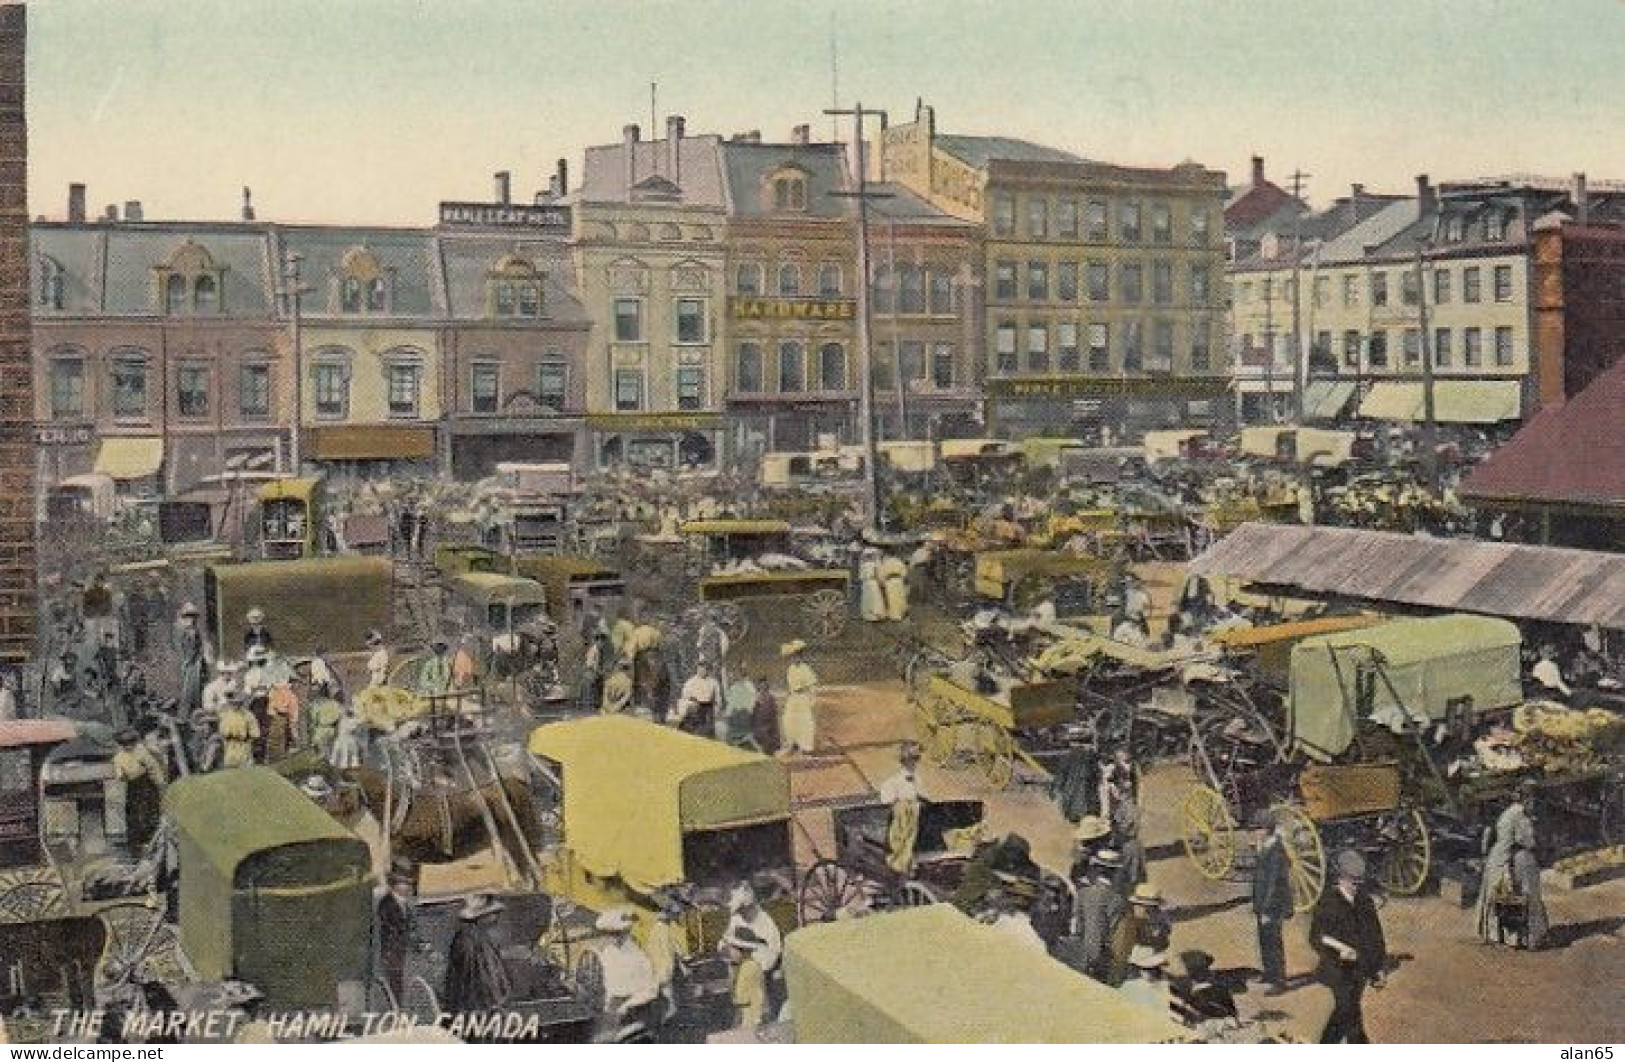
{"points": [[1272, 901], [1347, 936], [397, 929]]}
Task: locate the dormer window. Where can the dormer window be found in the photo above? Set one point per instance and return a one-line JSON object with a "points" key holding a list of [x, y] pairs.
{"points": [[361, 284], [53, 283], [205, 295], [786, 188], [190, 282], [514, 289]]}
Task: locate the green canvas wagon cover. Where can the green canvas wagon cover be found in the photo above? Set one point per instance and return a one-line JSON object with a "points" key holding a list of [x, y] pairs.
{"points": [[932, 975], [1405, 668], [273, 890], [329, 602]]}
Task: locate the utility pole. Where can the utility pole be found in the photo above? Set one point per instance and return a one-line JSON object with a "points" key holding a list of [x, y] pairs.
{"points": [[897, 330], [1298, 178], [866, 392], [293, 293], [1270, 409], [1430, 424]]}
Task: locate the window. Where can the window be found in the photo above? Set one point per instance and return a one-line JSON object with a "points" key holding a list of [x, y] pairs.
{"points": [[1066, 218], [1441, 346], [1130, 283], [505, 302], [1004, 346], [174, 294], [67, 387], [789, 193], [350, 295], [690, 388], [129, 386], [910, 289], [912, 351], [1471, 285], [691, 321], [53, 284], [1128, 222], [1096, 218], [942, 365], [332, 387], [1379, 289], [530, 300], [789, 279], [628, 390], [192, 390], [882, 367], [1409, 290], [205, 295], [1066, 346], [1066, 281], [748, 278], [1441, 286], [1004, 280], [1377, 354], [1318, 291], [748, 367], [832, 367], [628, 320], [1162, 283], [377, 295], [1454, 228], [1099, 279], [1162, 347], [1200, 225], [1037, 218], [1503, 346], [484, 386], [1351, 290], [1201, 286], [550, 383], [1503, 283], [1038, 281], [1162, 223], [1351, 348], [1099, 347], [1004, 215], [883, 290], [829, 280], [1413, 346], [942, 291], [1133, 346], [1472, 344], [1037, 348], [402, 380], [1495, 225], [1202, 351], [792, 378], [254, 391]]}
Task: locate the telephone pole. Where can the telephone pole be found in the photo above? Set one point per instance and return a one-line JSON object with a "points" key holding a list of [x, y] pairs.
{"points": [[1430, 424], [293, 293], [866, 384], [1298, 179]]}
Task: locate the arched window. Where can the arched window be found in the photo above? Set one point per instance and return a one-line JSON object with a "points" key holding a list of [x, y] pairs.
{"points": [[350, 295], [505, 300], [789, 279], [174, 294], [205, 295], [748, 373], [832, 367], [377, 296], [792, 368], [829, 280], [910, 289], [53, 283]]}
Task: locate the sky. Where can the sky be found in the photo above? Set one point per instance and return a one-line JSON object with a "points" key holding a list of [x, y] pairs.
{"points": [[373, 111]]}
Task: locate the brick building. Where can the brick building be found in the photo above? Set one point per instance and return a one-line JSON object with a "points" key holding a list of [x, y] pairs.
{"points": [[17, 559]]}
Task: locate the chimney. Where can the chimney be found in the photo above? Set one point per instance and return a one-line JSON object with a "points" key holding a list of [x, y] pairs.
{"points": [[132, 210], [248, 203], [1357, 192], [801, 135], [564, 177], [674, 148], [880, 150], [1427, 200], [504, 187], [629, 138], [110, 213], [1258, 170], [76, 203], [755, 136], [1582, 200]]}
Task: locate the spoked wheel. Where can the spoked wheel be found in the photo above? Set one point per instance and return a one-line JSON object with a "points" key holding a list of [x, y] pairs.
{"points": [[1208, 831], [1306, 855], [730, 616], [914, 894], [826, 614], [138, 936], [588, 980], [831, 892], [995, 754], [32, 900], [1407, 852]]}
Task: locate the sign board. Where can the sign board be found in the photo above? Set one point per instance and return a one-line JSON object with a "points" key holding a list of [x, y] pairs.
{"points": [[62, 434], [552, 219], [654, 421], [1070, 387], [751, 308]]}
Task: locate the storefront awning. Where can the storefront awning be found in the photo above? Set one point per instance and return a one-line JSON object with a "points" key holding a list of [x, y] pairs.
{"points": [[1454, 401], [371, 442], [136, 457], [1392, 400], [1326, 399]]}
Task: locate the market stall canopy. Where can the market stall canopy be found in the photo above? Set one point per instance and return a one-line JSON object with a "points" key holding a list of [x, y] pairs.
{"points": [[1326, 399], [132, 457], [1454, 401], [633, 789], [1546, 583], [933, 975]]}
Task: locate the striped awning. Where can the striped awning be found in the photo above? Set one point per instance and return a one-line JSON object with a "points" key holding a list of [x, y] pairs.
{"points": [[1326, 399], [133, 457], [1454, 401]]}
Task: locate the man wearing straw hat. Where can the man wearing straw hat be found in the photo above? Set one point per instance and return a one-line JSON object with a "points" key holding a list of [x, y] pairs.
{"points": [[1347, 935], [629, 977]]}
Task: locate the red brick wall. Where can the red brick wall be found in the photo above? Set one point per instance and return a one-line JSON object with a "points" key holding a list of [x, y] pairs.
{"points": [[16, 373]]}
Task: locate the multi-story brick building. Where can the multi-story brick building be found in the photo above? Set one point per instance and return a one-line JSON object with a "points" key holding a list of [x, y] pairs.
{"points": [[1101, 282], [17, 557], [1579, 292]]}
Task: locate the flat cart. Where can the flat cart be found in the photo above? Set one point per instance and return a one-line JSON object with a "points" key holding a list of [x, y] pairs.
{"points": [[736, 587], [857, 879], [958, 726], [904, 977]]}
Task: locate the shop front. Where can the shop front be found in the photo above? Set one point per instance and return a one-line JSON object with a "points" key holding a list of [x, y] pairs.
{"points": [[525, 432], [1106, 410], [372, 451], [655, 442]]}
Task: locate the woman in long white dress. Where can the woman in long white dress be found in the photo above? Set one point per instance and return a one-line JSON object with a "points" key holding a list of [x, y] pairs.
{"points": [[1507, 869], [799, 727], [871, 590]]}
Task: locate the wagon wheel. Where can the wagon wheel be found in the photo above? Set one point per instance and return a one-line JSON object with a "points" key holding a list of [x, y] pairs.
{"points": [[138, 936], [1208, 831], [1407, 852], [826, 614], [995, 754], [730, 616], [588, 980], [1306, 855], [33, 900], [831, 892], [915, 894]]}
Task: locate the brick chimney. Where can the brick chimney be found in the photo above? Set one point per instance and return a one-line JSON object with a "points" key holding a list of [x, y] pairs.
{"points": [[1427, 197], [248, 203], [801, 135], [110, 213], [629, 140], [132, 210], [503, 187], [674, 148], [1258, 170], [562, 175], [76, 202], [1582, 200]]}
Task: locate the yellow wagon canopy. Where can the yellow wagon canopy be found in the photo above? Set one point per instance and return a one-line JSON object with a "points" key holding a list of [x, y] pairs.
{"points": [[932, 975], [632, 789]]}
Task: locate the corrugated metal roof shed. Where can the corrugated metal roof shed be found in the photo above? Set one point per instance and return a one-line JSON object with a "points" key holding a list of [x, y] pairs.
{"points": [[1491, 578]]}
